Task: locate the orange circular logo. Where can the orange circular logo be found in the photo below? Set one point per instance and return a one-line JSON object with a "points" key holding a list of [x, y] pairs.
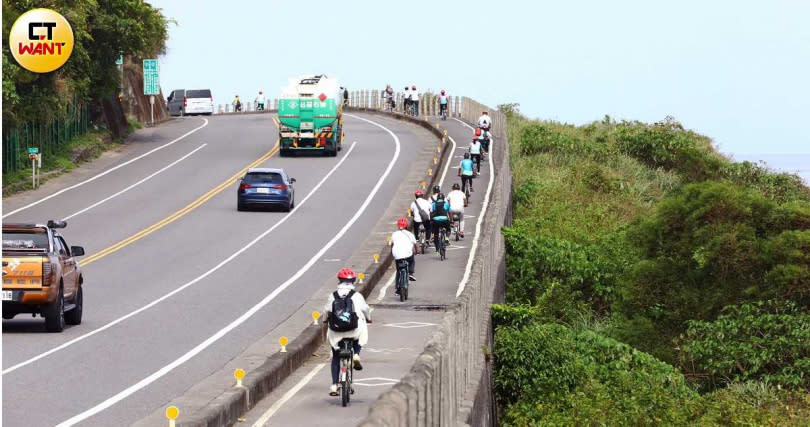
{"points": [[41, 40]]}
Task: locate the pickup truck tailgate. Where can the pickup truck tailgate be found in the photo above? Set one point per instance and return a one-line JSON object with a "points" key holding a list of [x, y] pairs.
{"points": [[24, 272]]}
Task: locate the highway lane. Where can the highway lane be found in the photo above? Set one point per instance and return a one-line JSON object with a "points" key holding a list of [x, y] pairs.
{"points": [[96, 368]]}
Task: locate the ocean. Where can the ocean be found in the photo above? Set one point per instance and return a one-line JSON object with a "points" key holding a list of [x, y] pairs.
{"points": [[791, 163]]}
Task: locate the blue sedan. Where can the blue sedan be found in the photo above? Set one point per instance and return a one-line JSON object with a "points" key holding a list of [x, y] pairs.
{"points": [[266, 187]]}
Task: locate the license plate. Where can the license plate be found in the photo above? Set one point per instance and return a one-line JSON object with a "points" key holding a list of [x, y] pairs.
{"points": [[306, 125], [6, 295], [263, 190]]}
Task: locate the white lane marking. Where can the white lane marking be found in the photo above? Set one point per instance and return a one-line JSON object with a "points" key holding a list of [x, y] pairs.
{"points": [[468, 269], [261, 304], [384, 289], [108, 170], [181, 288], [133, 185], [410, 325], [374, 381], [449, 160], [262, 421]]}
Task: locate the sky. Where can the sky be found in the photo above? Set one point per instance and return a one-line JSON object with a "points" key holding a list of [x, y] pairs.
{"points": [[737, 71]]}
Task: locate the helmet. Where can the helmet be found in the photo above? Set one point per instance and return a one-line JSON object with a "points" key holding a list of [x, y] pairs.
{"points": [[406, 88], [456, 186], [260, 92], [467, 155], [442, 91], [484, 112], [402, 222], [413, 87], [437, 189], [346, 274], [478, 132], [441, 197], [419, 193]]}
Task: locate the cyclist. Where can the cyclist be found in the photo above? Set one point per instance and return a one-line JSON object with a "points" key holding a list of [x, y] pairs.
{"points": [[260, 100], [435, 195], [466, 172], [457, 201], [485, 138], [237, 104], [484, 122], [475, 152], [343, 299], [388, 98], [403, 246], [420, 210], [440, 217], [406, 101], [415, 100], [443, 98]]}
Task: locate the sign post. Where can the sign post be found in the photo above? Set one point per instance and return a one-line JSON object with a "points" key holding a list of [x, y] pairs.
{"points": [[33, 154], [151, 82]]}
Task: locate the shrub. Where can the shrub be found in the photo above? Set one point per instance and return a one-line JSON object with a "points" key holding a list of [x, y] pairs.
{"points": [[749, 404], [550, 374], [767, 341]]}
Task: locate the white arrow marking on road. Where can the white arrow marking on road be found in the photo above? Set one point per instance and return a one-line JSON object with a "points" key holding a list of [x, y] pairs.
{"points": [[385, 288], [108, 170]]}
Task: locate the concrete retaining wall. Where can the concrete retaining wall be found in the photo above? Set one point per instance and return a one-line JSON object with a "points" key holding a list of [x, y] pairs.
{"points": [[450, 382]]}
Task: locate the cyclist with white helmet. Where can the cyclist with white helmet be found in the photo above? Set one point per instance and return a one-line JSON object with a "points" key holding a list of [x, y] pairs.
{"points": [[457, 201], [485, 122], [347, 313], [420, 211]]}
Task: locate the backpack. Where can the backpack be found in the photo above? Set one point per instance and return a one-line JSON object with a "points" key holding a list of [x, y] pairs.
{"points": [[439, 210], [342, 318]]}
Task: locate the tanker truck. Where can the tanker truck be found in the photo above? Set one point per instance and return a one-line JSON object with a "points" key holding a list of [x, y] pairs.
{"points": [[310, 116]]}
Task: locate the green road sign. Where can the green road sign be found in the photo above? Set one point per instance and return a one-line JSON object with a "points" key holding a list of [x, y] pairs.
{"points": [[33, 150], [120, 60], [151, 77]]}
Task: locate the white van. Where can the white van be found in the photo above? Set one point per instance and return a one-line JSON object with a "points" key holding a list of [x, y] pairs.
{"points": [[198, 101]]}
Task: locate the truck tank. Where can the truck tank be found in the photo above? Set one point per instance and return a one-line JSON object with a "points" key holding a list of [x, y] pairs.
{"points": [[310, 115]]}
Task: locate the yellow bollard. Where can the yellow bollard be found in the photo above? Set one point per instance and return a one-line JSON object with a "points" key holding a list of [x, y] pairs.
{"points": [[430, 171], [444, 140], [283, 343], [445, 132], [361, 276], [239, 374], [389, 240], [435, 160], [171, 413], [438, 149], [315, 316], [423, 185], [376, 258], [437, 125]]}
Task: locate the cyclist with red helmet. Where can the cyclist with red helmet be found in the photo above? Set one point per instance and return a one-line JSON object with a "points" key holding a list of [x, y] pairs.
{"points": [[403, 246], [420, 211], [346, 307]]}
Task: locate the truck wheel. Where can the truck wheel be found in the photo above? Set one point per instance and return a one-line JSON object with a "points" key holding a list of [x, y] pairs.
{"points": [[74, 317], [283, 153], [55, 314]]}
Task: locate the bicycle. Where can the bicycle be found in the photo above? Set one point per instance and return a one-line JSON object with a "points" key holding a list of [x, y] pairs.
{"points": [[457, 226], [346, 353], [402, 282], [443, 109], [442, 244]]}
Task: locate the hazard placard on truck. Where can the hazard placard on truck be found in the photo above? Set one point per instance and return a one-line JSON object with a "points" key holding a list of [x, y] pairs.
{"points": [[310, 116]]}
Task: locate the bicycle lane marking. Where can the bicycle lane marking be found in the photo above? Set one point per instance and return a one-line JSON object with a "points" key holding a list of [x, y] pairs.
{"points": [[74, 186], [266, 300], [474, 248], [133, 185], [287, 396]]}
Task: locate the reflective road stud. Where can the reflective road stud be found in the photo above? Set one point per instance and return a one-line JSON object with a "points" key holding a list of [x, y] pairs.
{"points": [[239, 374], [283, 343], [171, 413], [361, 276], [315, 316]]}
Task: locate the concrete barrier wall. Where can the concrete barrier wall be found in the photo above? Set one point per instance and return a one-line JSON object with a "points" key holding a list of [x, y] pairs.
{"points": [[450, 383]]}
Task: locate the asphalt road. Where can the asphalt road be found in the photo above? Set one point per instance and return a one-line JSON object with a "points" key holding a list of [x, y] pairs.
{"points": [[158, 307], [399, 330]]}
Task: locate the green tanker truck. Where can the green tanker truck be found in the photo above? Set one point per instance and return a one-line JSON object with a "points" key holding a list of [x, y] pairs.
{"points": [[310, 116]]}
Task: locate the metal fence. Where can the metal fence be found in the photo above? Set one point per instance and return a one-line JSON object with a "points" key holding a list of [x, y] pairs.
{"points": [[49, 136]]}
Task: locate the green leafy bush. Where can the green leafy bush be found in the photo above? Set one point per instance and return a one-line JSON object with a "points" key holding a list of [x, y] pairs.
{"points": [[550, 374], [749, 404], [767, 341], [780, 187]]}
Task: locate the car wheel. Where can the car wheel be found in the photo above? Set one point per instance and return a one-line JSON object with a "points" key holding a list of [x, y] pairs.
{"points": [[74, 317], [240, 207], [55, 314], [292, 204], [287, 207]]}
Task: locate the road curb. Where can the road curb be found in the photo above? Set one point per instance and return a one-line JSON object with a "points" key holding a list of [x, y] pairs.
{"points": [[226, 407]]}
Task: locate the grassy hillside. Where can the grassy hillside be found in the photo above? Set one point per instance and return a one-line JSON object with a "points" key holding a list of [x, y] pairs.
{"points": [[650, 280]]}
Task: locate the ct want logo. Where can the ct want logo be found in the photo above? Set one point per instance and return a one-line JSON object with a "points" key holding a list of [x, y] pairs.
{"points": [[41, 40]]}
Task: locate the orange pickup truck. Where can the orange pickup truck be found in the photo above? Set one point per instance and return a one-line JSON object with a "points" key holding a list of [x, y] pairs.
{"points": [[40, 274]]}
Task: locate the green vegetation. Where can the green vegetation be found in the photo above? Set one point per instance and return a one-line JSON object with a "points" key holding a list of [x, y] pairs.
{"points": [[650, 281]]}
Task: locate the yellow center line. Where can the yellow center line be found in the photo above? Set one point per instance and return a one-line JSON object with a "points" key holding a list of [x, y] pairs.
{"points": [[175, 216]]}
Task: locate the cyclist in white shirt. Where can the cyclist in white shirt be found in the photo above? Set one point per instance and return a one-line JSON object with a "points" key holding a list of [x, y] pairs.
{"points": [[415, 100], [475, 153], [403, 246], [484, 122], [458, 201], [420, 210], [443, 102]]}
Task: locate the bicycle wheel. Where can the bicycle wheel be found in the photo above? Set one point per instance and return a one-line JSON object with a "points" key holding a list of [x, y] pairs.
{"points": [[442, 245], [345, 383], [403, 284]]}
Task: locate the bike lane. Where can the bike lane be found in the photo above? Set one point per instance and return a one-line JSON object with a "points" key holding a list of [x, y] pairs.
{"points": [[399, 330]]}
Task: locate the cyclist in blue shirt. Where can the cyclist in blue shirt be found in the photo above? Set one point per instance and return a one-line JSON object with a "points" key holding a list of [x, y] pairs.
{"points": [[466, 172], [440, 217]]}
